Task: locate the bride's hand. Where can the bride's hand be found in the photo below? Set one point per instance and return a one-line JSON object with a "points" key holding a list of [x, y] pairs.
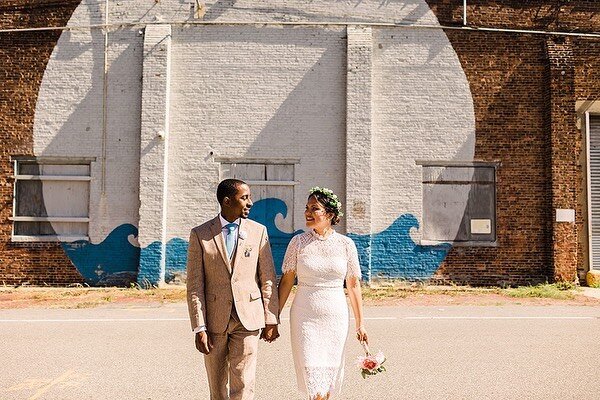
{"points": [[361, 334]]}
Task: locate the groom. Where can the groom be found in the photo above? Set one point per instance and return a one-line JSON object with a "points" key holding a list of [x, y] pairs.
{"points": [[231, 293]]}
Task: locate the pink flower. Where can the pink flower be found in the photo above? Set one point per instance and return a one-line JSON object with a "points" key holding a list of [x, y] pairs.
{"points": [[371, 364], [359, 361]]}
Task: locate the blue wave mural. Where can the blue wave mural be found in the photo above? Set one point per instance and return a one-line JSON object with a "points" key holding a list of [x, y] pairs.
{"points": [[176, 258], [265, 211], [390, 253], [113, 262]]}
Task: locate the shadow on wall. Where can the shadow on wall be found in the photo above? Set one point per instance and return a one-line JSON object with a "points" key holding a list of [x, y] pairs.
{"points": [[418, 9]]}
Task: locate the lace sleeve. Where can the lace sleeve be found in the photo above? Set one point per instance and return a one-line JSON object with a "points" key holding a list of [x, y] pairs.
{"points": [[291, 256], [353, 263]]}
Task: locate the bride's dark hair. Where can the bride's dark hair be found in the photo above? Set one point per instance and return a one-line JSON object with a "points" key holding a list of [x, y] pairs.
{"points": [[325, 201]]}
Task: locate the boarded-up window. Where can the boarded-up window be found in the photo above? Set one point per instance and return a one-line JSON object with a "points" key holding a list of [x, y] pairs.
{"points": [[459, 203], [51, 201]]}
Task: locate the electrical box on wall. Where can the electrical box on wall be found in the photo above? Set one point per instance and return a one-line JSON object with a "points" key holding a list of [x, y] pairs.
{"points": [[565, 215], [481, 226]]}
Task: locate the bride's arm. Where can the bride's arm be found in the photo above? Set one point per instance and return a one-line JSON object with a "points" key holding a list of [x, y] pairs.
{"points": [[289, 272], [285, 287], [354, 292]]}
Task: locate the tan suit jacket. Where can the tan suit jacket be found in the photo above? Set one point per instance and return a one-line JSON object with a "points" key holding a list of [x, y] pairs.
{"points": [[215, 285]]}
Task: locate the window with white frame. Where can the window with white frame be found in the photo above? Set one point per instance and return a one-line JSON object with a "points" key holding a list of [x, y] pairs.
{"points": [[51, 199], [459, 202]]}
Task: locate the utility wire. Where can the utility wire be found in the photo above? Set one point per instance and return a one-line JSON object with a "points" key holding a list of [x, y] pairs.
{"points": [[409, 25]]}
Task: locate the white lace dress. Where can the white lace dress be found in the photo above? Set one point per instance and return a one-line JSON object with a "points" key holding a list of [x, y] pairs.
{"points": [[319, 313]]}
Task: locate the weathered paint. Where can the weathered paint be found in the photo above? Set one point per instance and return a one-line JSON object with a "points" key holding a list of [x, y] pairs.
{"points": [[393, 253]]}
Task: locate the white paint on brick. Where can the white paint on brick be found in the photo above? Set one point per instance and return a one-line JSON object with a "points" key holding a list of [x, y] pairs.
{"points": [[68, 119], [155, 134], [359, 129], [423, 109], [259, 92], [345, 11], [254, 91]]}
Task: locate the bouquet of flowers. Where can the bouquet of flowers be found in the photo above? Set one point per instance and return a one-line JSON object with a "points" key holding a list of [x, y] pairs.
{"points": [[370, 364]]}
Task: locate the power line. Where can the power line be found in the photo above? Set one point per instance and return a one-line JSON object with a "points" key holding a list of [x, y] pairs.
{"points": [[408, 25]]}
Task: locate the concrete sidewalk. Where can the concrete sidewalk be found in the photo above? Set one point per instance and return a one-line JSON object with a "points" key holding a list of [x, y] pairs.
{"points": [[591, 292]]}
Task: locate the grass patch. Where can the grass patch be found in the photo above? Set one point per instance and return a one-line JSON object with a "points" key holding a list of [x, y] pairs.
{"points": [[547, 291], [377, 293], [383, 293]]}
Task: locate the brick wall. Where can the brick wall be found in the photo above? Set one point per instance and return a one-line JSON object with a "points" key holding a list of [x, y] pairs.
{"points": [[507, 74], [24, 57], [559, 15], [523, 106], [526, 118]]}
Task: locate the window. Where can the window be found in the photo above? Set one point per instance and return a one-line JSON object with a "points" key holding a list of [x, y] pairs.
{"points": [[51, 199], [459, 203]]}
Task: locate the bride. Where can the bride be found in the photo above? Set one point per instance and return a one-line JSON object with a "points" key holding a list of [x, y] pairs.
{"points": [[321, 259]]}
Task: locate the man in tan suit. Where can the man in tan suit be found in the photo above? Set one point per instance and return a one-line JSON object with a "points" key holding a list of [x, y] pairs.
{"points": [[231, 293]]}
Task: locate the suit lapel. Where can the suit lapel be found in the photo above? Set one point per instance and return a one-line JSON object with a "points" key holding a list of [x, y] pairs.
{"points": [[216, 231]]}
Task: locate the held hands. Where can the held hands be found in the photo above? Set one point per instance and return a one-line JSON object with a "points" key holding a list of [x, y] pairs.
{"points": [[361, 335], [269, 333], [203, 342]]}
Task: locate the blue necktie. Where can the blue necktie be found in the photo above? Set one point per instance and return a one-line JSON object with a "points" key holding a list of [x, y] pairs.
{"points": [[230, 240]]}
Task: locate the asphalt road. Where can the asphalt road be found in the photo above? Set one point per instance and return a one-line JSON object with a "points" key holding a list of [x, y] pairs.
{"points": [[455, 352]]}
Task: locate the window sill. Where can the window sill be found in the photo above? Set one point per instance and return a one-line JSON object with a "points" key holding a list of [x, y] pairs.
{"points": [[471, 243], [47, 238]]}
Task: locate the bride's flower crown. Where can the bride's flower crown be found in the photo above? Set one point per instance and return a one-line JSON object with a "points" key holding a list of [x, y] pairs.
{"points": [[332, 199]]}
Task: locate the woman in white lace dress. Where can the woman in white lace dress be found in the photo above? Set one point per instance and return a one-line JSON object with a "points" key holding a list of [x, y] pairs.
{"points": [[321, 259]]}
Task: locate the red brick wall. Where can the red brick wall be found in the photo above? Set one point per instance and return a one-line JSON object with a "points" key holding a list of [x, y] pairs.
{"points": [[565, 140], [508, 78], [526, 118], [559, 15], [24, 57]]}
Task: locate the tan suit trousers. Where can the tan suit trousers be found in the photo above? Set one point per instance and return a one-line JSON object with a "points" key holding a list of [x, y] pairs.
{"points": [[233, 356]]}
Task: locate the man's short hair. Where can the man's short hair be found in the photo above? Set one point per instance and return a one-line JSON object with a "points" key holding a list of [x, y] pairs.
{"points": [[228, 188]]}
